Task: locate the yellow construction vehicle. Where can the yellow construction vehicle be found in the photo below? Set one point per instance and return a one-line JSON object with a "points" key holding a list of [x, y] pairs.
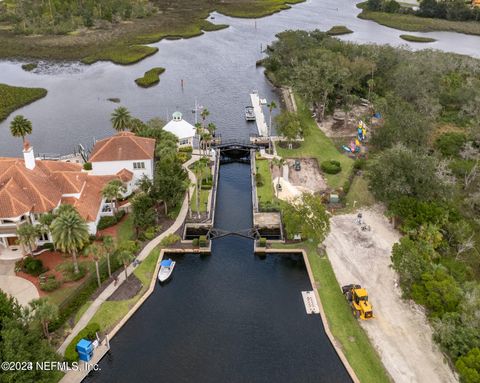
{"points": [[357, 297]]}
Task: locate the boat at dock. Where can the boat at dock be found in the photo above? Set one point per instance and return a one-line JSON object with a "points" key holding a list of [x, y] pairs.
{"points": [[249, 113], [166, 269]]}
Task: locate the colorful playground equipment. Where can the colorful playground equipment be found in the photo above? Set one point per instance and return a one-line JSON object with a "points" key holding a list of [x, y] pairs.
{"points": [[356, 144]]}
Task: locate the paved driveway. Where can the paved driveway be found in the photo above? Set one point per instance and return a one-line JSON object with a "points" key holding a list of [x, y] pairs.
{"points": [[21, 289]]}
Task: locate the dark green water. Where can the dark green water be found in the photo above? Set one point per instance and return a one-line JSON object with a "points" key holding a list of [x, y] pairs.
{"points": [[227, 317]]}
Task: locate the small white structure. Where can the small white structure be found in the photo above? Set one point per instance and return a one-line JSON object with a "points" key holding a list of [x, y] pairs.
{"points": [[124, 154], [182, 129]]}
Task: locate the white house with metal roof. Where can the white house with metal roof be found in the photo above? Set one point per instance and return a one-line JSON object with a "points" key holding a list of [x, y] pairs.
{"points": [[184, 131]]}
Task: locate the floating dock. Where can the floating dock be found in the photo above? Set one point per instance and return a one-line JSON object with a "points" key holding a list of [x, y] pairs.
{"points": [[259, 116], [311, 304]]}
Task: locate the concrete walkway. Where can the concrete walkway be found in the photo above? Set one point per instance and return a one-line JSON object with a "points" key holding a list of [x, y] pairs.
{"points": [[22, 290], [88, 315]]}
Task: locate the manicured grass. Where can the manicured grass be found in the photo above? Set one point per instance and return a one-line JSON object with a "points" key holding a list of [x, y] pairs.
{"points": [[29, 67], [14, 97], [337, 30], [265, 192], [59, 295], [111, 312], [359, 192], [202, 199], [318, 145], [417, 39], [121, 54], [125, 230], [150, 78], [344, 327], [81, 311], [414, 23]]}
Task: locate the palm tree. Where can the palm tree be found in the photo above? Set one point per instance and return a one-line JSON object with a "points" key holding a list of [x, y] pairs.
{"points": [[125, 257], [279, 162], [121, 119], [97, 252], [45, 312], [28, 235], [211, 127], [204, 114], [70, 234], [112, 191], [109, 245], [20, 127], [271, 106], [198, 133]]}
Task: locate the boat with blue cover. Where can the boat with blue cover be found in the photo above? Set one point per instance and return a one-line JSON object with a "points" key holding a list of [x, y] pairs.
{"points": [[166, 269]]}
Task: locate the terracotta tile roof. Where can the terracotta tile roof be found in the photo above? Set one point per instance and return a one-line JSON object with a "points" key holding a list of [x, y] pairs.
{"points": [[13, 200], [124, 146], [125, 175], [89, 202], [41, 189]]}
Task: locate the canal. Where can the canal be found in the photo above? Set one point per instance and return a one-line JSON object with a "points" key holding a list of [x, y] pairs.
{"points": [[227, 317]]}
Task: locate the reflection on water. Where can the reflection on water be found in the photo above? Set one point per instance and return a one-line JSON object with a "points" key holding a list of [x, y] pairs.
{"points": [[227, 317], [218, 69]]}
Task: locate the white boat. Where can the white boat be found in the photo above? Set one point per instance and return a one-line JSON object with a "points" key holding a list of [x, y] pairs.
{"points": [[166, 269], [249, 113]]}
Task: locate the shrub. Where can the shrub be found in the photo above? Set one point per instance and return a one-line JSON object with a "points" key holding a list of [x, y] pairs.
{"points": [[262, 242], [259, 180], [449, 144], [195, 242], [87, 166], [183, 157], [50, 284], [89, 332], [170, 240], [206, 186], [69, 275], [360, 164], [106, 222], [346, 186], [468, 366], [49, 246], [150, 233], [33, 266], [202, 241], [331, 167], [186, 149]]}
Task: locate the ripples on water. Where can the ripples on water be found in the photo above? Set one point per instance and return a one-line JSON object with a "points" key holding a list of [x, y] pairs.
{"points": [[218, 70]]}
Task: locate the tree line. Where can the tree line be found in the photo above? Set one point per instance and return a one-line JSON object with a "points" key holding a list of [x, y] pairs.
{"points": [[455, 10], [423, 165], [63, 16]]}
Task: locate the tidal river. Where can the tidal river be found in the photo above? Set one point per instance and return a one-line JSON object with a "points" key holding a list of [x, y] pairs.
{"points": [[218, 70], [226, 317]]}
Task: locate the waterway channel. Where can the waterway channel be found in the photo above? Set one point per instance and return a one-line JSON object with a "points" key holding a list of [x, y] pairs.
{"points": [[227, 317], [218, 70]]}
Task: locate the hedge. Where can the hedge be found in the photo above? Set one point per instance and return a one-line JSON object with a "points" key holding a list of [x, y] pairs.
{"points": [[89, 332], [331, 167], [108, 221], [202, 241]]}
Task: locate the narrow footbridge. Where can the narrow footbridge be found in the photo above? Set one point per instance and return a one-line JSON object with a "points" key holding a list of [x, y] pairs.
{"points": [[251, 233]]}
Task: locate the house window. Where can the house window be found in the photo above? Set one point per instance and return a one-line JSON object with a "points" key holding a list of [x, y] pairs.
{"points": [[184, 141], [139, 165]]}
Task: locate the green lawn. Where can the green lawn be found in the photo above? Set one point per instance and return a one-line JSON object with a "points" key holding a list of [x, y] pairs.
{"points": [[202, 199], [81, 311], [359, 192], [111, 312], [265, 192], [318, 145], [345, 328], [125, 230]]}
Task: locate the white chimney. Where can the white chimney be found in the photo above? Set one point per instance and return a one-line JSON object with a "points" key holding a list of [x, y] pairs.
{"points": [[28, 156]]}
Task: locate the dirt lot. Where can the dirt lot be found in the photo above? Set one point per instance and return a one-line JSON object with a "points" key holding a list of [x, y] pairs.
{"points": [[400, 331], [309, 177], [334, 126]]}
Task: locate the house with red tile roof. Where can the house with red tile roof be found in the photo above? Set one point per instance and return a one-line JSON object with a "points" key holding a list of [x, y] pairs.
{"points": [[126, 155], [30, 187]]}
